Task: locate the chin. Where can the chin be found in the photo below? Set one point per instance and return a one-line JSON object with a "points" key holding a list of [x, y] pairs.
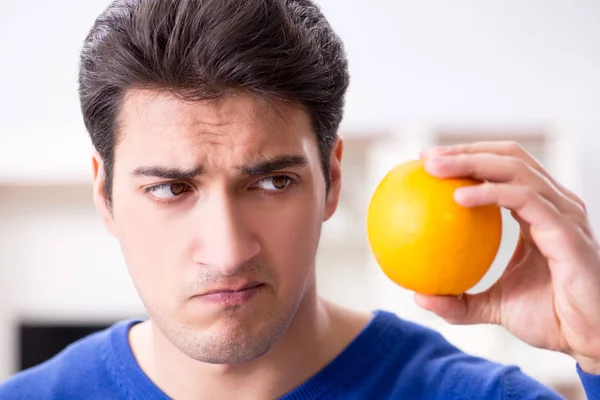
{"points": [[233, 337], [229, 342]]}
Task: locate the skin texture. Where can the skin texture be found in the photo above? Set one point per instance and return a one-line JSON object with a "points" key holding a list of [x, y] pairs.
{"points": [[214, 196]]}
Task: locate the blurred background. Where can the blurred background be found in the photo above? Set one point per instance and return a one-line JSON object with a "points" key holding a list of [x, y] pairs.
{"points": [[423, 73]]}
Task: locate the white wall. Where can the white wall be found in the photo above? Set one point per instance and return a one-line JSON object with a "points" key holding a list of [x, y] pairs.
{"points": [[461, 61], [433, 61], [427, 63], [57, 264]]}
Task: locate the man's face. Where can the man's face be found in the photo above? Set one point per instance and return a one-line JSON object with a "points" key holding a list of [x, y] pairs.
{"points": [[218, 207]]}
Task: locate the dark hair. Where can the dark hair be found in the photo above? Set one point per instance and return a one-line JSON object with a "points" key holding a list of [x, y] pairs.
{"points": [[203, 49]]}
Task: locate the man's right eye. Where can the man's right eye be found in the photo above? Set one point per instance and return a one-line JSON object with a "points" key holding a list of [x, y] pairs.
{"points": [[167, 191]]}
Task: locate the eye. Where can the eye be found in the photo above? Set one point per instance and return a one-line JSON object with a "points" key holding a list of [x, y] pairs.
{"points": [[275, 183], [167, 191]]}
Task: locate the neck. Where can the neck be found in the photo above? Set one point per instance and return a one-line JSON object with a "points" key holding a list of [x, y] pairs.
{"points": [[317, 334]]}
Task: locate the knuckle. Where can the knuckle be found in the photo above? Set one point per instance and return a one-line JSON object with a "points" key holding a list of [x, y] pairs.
{"points": [[519, 165], [527, 174], [513, 147], [580, 204], [488, 189], [461, 158], [527, 192]]}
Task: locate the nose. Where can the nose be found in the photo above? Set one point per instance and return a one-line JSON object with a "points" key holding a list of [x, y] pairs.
{"points": [[226, 240]]}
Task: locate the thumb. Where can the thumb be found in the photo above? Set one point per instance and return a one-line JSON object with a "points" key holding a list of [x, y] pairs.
{"points": [[465, 309]]}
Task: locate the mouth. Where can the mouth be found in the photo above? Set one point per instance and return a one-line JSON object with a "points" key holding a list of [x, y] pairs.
{"points": [[232, 295], [233, 289]]}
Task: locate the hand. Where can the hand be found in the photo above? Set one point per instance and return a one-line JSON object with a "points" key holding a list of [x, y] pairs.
{"points": [[549, 294]]}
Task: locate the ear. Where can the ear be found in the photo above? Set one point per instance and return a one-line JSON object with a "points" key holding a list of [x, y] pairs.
{"points": [[100, 200], [335, 178]]}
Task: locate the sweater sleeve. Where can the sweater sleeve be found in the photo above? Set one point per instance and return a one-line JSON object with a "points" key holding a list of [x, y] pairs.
{"points": [[591, 383], [519, 386]]}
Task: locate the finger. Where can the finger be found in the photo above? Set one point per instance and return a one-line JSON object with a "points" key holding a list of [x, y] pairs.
{"points": [[507, 148], [462, 310], [499, 168], [481, 166], [555, 237]]}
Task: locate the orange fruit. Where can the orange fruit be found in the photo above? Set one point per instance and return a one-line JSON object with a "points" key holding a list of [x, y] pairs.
{"points": [[423, 240]]}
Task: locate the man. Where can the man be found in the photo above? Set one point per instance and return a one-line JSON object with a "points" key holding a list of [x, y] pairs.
{"points": [[215, 124]]}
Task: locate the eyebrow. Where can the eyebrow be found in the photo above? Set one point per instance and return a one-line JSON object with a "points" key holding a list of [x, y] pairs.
{"points": [[177, 174], [275, 164], [261, 168]]}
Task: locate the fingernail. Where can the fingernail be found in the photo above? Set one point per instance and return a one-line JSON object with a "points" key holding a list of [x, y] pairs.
{"points": [[443, 149], [464, 195], [439, 159], [430, 151], [433, 164]]}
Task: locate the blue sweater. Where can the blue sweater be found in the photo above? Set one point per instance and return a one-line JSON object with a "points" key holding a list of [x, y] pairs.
{"points": [[390, 359]]}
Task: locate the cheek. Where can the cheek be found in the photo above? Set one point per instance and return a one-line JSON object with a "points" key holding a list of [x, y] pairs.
{"points": [[148, 241], [290, 235]]}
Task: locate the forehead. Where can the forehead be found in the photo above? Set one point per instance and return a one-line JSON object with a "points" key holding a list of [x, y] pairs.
{"points": [[161, 128]]}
